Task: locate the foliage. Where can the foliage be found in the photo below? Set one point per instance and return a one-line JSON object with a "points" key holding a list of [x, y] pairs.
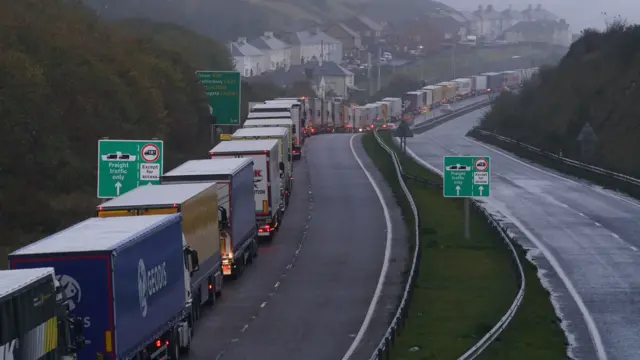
{"points": [[595, 83]]}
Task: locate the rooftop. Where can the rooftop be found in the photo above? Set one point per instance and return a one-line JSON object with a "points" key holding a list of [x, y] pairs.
{"points": [[210, 167], [243, 48], [13, 280], [268, 41], [244, 146], [157, 195]]}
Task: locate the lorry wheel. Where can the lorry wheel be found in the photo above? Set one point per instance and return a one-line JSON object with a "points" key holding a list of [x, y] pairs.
{"points": [[174, 348]]}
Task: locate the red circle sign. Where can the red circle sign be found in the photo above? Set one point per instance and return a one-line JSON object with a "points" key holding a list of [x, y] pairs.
{"points": [[481, 164], [150, 153]]}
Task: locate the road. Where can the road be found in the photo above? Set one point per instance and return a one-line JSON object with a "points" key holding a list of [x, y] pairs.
{"points": [[310, 291], [584, 238]]}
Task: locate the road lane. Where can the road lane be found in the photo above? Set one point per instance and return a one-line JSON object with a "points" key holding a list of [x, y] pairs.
{"points": [[241, 299], [323, 300], [588, 234]]}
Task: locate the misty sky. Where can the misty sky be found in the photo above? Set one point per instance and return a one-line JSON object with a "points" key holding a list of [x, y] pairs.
{"points": [[579, 14]]}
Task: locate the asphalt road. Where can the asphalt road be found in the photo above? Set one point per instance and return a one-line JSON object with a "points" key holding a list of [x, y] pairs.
{"points": [[584, 238], [309, 302], [455, 105]]}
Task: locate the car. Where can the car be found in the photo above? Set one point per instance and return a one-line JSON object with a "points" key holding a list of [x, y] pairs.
{"points": [[446, 108], [458, 167]]}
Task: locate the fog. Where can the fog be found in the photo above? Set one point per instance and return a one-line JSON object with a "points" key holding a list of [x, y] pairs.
{"points": [[579, 14]]}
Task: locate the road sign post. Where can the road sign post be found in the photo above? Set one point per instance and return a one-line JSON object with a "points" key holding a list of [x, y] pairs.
{"points": [[223, 95], [123, 165], [465, 177]]}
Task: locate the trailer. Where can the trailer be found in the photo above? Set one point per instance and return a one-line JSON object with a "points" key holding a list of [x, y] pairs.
{"points": [[395, 111], [414, 99], [304, 107], [315, 109], [275, 122], [30, 305], [463, 87], [511, 79], [268, 191], [495, 81], [438, 94], [480, 86], [125, 278], [198, 205], [362, 118], [282, 135], [294, 114], [428, 98], [234, 180], [449, 89], [384, 111]]}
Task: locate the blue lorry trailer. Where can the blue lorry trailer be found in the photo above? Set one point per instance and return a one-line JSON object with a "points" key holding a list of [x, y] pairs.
{"points": [[238, 231], [125, 277]]}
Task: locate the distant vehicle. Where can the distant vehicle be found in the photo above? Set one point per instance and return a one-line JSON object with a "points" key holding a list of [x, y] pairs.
{"points": [[118, 156], [387, 56], [446, 108], [388, 126], [458, 167]]}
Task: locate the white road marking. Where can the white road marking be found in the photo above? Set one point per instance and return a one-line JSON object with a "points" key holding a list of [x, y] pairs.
{"points": [[591, 325], [244, 328], [276, 285], [263, 304], [385, 263], [634, 248]]}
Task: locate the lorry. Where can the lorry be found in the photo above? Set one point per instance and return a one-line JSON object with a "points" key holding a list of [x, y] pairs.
{"points": [[315, 109], [511, 79], [268, 192], [304, 107], [449, 88], [428, 97], [480, 84], [33, 302], [282, 135], [437, 94], [414, 99], [126, 278], [236, 205], [375, 113], [395, 111], [463, 87], [495, 81], [278, 123], [384, 111], [201, 226], [297, 129], [362, 120]]}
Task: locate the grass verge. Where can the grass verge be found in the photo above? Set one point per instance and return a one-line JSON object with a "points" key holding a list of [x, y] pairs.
{"points": [[600, 179], [465, 286]]}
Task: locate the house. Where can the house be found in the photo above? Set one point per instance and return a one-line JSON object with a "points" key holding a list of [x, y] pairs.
{"points": [[249, 61], [277, 53], [538, 14], [544, 31], [369, 30], [509, 18], [350, 39], [426, 33], [488, 23], [314, 44], [336, 79]]}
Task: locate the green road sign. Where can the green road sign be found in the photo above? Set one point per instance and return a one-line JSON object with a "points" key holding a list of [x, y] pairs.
{"points": [[223, 93], [466, 176], [123, 165]]}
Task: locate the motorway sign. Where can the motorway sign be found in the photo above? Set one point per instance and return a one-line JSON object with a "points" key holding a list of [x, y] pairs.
{"points": [[466, 176], [123, 165], [223, 94]]}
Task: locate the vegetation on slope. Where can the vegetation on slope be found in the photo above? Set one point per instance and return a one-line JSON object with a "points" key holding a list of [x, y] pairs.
{"points": [[596, 83], [67, 79]]}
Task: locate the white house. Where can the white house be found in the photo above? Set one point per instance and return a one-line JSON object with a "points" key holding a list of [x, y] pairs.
{"points": [[277, 53], [314, 45], [249, 61]]}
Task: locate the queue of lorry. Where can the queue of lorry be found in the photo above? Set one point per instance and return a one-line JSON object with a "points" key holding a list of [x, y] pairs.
{"points": [[433, 96], [132, 281]]}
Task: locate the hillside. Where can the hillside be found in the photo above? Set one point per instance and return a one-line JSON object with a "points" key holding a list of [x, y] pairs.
{"points": [[597, 82], [68, 79], [227, 21]]}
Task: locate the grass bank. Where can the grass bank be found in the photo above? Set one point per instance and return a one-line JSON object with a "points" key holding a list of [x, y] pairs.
{"points": [[465, 286]]}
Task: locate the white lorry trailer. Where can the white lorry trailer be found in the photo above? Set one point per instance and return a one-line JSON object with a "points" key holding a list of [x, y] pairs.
{"points": [[282, 135], [277, 123], [268, 191], [293, 110], [463, 88], [396, 107]]}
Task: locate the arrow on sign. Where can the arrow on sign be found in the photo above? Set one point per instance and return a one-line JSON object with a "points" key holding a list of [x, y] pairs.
{"points": [[481, 188], [458, 190], [210, 110], [118, 186]]}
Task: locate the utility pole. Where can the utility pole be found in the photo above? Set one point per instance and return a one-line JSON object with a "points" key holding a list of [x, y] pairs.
{"points": [[453, 59], [379, 64], [369, 65]]}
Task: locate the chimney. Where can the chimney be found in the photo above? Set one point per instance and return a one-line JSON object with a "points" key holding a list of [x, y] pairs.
{"points": [[321, 52], [530, 7], [480, 8], [563, 21], [489, 8], [539, 7], [242, 40], [268, 34]]}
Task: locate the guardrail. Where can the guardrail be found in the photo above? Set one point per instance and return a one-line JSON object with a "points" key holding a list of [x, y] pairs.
{"points": [[606, 177], [438, 120], [484, 342], [403, 309]]}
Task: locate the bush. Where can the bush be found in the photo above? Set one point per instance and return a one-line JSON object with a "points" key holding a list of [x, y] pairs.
{"points": [[595, 83]]}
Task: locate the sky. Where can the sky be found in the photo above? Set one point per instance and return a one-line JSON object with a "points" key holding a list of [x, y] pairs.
{"points": [[580, 14]]}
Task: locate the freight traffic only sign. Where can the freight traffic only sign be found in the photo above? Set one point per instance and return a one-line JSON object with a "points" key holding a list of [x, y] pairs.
{"points": [[123, 165], [223, 94], [466, 176]]}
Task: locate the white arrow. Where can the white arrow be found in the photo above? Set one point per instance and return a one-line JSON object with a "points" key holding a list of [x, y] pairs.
{"points": [[152, 184], [118, 186], [210, 110], [480, 188], [458, 190]]}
